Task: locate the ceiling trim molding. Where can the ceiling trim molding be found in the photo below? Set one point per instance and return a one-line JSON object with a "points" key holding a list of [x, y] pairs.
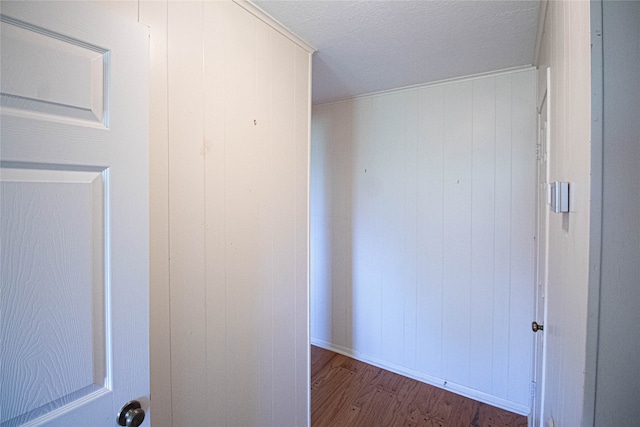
{"points": [[267, 19], [435, 83]]}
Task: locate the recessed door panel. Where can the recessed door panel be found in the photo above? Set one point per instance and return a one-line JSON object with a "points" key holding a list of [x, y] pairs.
{"points": [[51, 74], [53, 284]]}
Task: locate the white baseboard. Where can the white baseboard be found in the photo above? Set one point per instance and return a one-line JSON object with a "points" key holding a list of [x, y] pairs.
{"points": [[434, 381]]}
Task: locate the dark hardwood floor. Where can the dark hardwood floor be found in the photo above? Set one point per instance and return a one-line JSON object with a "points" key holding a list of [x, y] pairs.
{"points": [[346, 392]]}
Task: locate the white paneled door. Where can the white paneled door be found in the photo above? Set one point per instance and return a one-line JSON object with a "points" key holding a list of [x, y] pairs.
{"points": [[542, 250], [73, 215]]}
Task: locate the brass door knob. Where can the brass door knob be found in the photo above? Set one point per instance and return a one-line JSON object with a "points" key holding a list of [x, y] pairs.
{"points": [[535, 327]]}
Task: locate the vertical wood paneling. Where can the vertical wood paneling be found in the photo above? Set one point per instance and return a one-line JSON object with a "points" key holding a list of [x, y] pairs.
{"points": [[565, 48], [229, 191], [238, 108], [302, 118], [389, 169], [618, 369], [346, 233], [430, 229], [241, 222], [341, 266], [365, 314], [482, 231], [186, 212], [367, 281], [284, 256], [215, 53], [410, 221], [325, 123], [376, 161], [267, 212], [457, 231], [502, 237], [524, 133], [441, 230]]}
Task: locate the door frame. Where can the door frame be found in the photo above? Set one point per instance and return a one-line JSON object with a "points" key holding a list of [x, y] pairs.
{"points": [[542, 250]]}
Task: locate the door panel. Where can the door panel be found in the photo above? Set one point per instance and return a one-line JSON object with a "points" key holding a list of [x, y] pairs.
{"points": [[48, 73], [74, 214], [52, 288]]}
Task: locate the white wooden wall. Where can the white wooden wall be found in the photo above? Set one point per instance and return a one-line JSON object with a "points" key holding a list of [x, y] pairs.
{"points": [[230, 107], [618, 357], [422, 233], [565, 48]]}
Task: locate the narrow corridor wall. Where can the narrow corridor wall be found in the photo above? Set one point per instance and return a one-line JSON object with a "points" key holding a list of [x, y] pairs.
{"points": [[422, 233]]}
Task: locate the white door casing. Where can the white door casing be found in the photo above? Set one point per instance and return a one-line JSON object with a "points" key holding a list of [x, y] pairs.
{"points": [[73, 214], [542, 250]]}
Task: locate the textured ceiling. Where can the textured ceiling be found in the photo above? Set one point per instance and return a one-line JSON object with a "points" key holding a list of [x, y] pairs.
{"points": [[370, 46]]}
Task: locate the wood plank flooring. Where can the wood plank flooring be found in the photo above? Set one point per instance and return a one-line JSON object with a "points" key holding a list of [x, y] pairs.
{"points": [[347, 392]]}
